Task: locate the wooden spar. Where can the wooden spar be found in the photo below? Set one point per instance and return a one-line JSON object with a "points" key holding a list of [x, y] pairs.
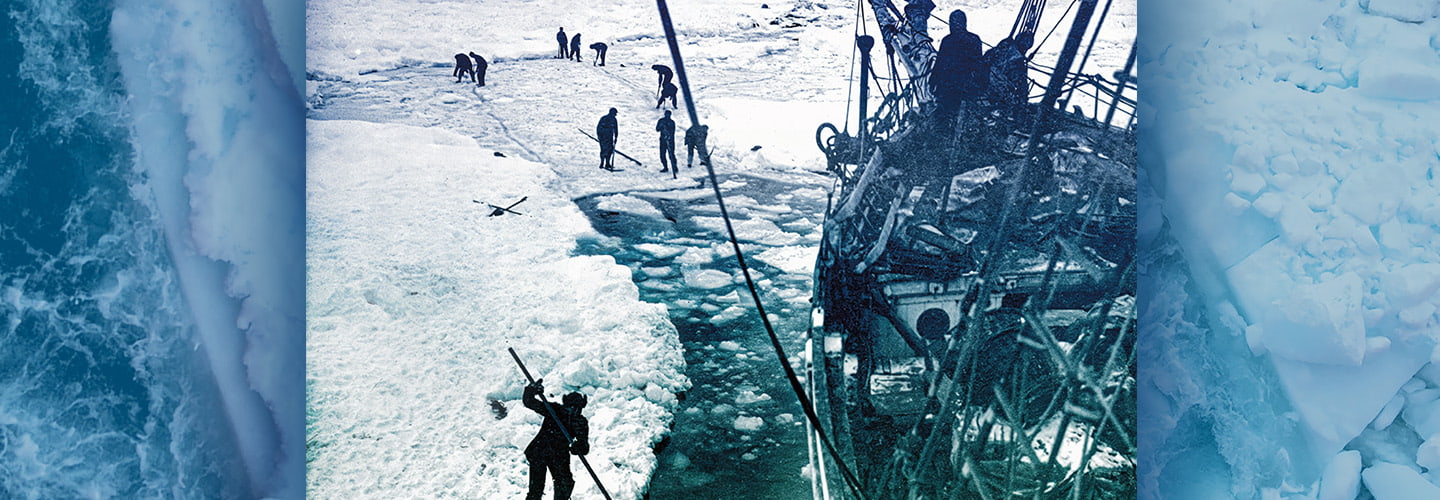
{"points": [[910, 39]]}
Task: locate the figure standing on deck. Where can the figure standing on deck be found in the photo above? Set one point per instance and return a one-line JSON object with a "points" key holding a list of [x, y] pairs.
{"points": [[695, 139], [550, 450], [958, 77], [462, 68], [600, 48], [1009, 79], [575, 47], [607, 131], [564, 43], [668, 91], [665, 76], [666, 128], [480, 66]]}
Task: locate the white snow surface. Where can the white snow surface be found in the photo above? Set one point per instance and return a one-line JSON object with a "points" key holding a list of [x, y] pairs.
{"points": [[1295, 145], [414, 294]]}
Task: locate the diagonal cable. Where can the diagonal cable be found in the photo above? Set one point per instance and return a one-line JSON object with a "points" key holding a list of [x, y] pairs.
{"points": [[670, 39]]}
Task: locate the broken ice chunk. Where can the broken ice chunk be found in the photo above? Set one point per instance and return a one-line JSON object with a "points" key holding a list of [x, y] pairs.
{"points": [[749, 424], [1341, 479], [707, 279], [1388, 481], [1318, 323], [1428, 456]]}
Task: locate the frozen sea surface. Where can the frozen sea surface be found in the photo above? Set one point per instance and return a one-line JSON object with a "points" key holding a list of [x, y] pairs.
{"points": [[737, 426], [764, 78], [1291, 161]]}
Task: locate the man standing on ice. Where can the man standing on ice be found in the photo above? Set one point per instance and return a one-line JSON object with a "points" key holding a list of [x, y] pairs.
{"points": [[549, 449], [695, 139], [564, 41], [480, 66], [607, 131], [575, 47], [666, 128]]}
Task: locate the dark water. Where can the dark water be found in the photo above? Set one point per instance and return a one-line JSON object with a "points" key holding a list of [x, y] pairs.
{"points": [[99, 393], [733, 368]]}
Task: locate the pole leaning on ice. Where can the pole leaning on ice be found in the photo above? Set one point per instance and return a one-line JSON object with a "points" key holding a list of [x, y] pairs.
{"points": [[617, 150], [568, 439]]}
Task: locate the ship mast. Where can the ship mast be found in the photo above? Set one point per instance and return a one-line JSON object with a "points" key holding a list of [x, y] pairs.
{"points": [[907, 34]]}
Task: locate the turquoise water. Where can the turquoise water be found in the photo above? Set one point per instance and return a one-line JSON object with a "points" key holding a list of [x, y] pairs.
{"points": [[102, 392], [706, 456]]}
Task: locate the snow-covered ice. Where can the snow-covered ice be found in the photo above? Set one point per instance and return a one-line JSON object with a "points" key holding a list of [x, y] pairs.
{"points": [[1290, 147], [414, 294]]}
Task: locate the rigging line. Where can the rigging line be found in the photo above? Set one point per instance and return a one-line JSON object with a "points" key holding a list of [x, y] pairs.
{"points": [[1022, 18], [1036, 50], [805, 405], [850, 80], [1094, 37]]}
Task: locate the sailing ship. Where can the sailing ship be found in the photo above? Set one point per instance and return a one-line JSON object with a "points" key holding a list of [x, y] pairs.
{"points": [[974, 311]]}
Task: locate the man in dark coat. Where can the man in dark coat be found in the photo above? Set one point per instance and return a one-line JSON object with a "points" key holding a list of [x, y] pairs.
{"points": [[564, 43], [600, 48], [607, 131], [958, 76], [695, 139], [462, 67], [549, 450], [668, 91], [575, 47], [666, 128], [480, 66], [665, 76], [1009, 79]]}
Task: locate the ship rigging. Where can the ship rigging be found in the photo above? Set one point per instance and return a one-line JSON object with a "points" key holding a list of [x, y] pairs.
{"points": [[974, 315]]}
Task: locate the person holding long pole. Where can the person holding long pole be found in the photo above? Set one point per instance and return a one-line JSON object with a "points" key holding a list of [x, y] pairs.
{"points": [[549, 450], [564, 431]]}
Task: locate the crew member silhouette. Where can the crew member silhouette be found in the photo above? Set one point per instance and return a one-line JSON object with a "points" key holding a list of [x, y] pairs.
{"points": [[480, 66], [564, 43], [549, 450], [665, 76], [695, 139], [1008, 79], [668, 91], [600, 49], [607, 131], [462, 68], [575, 47], [666, 128], [958, 76]]}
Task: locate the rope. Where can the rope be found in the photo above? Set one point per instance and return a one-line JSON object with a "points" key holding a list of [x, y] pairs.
{"points": [[850, 89], [1052, 29], [795, 385]]}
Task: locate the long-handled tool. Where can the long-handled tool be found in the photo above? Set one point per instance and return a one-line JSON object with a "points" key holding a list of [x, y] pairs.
{"points": [[559, 423], [617, 151], [499, 210]]}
